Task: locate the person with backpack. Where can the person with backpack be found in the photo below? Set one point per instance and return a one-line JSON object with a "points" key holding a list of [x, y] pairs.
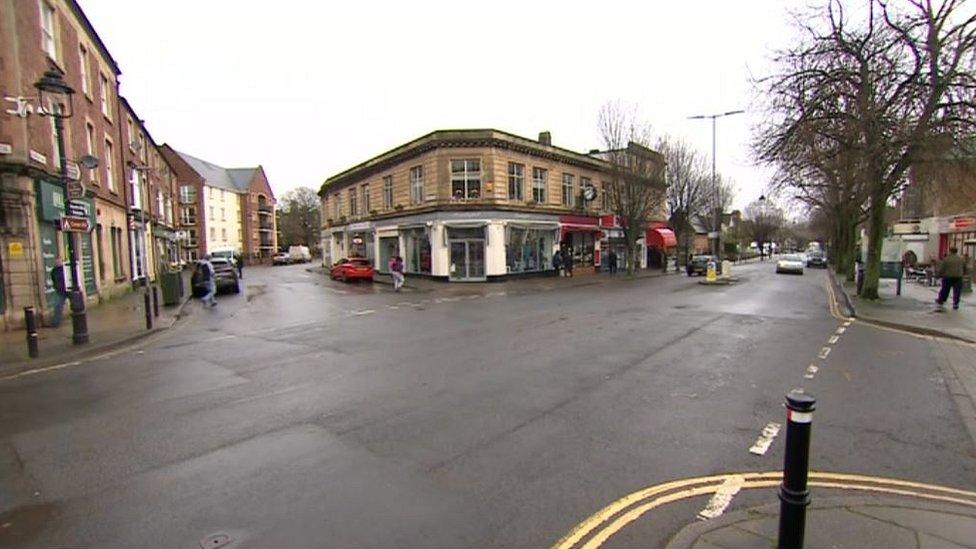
{"points": [[60, 291], [207, 276]]}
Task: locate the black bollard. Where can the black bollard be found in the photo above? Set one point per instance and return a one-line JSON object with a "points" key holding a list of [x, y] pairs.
{"points": [[31, 321], [155, 298], [793, 494], [149, 318]]}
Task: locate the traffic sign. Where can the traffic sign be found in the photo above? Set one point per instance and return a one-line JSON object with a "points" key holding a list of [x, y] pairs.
{"points": [[76, 189], [72, 170], [73, 224], [77, 209]]}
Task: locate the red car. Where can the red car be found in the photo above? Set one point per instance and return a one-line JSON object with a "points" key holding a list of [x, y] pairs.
{"points": [[354, 268]]}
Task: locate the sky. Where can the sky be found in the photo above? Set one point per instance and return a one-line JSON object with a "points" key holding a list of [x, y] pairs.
{"points": [[308, 88]]}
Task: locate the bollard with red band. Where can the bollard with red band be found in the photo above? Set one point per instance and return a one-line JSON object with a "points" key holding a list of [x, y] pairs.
{"points": [[794, 496]]}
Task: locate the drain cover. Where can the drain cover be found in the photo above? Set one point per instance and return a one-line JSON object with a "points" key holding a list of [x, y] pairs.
{"points": [[215, 541]]}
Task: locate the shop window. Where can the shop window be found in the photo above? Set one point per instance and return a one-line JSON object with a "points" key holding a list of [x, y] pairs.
{"points": [[540, 179], [465, 179], [516, 181], [416, 253], [528, 250]]}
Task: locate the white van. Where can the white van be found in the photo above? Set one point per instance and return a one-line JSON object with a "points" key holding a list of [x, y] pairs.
{"points": [[299, 254]]}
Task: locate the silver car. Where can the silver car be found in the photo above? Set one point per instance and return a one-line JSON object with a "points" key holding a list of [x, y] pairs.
{"points": [[792, 263]]}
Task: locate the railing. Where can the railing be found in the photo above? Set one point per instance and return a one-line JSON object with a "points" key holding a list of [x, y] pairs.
{"points": [[267, 210]]}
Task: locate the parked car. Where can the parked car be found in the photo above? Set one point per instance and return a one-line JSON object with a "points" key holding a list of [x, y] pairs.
{"points": [[353, 268], [699, 265], [816, 259], [224, 254], [225, 275], [299, 254], [790, 263], [281, 258]]}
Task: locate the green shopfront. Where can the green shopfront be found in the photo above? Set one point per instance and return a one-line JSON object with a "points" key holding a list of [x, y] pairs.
{"points": [[53, 244]]}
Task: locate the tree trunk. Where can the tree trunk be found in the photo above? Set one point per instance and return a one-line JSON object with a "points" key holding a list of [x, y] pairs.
{"points": [[872, 266]]}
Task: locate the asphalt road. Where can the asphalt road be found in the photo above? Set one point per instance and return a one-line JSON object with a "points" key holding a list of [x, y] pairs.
{"points": [[308, 411]]}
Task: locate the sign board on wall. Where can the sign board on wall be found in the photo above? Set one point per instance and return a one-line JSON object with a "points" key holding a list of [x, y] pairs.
{"points": [[5, 148], [963, 223], [15, 249], [907, 228]]}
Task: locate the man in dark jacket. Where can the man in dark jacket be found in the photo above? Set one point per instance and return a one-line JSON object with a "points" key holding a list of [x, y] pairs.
{"points": [[951, 269], [60, 291], [568, 261]]}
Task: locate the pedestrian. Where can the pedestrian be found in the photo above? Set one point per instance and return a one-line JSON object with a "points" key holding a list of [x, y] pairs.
{"points": [[239, 259], [60, 291], [396, 271], [613, 262], [207, 276], [568, 262], [557, 262], [951, 269]]}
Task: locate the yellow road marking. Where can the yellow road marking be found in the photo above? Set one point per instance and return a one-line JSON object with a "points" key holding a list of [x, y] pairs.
{"points": [[704, 485]]}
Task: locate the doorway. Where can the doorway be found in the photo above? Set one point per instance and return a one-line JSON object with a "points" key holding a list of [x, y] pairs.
{"points": [[467, 260]]}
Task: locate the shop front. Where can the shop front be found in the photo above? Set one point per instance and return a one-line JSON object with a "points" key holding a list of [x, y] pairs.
{"points": [[959, 233], [529, 247], [51, 207], [466, 252], [416, 249], [661, 243], [580, 236]]}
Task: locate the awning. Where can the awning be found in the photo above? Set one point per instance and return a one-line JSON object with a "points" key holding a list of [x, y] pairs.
{"points": [[661, 238]]}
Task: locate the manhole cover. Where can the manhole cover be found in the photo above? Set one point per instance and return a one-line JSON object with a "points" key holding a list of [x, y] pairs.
{"points": [[215, 541]]}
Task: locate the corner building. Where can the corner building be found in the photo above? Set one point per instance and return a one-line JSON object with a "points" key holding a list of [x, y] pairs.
{"points": [[473, 205]]}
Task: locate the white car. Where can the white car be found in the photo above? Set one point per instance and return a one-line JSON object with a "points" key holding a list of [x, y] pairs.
{"points": [[792, 263]]}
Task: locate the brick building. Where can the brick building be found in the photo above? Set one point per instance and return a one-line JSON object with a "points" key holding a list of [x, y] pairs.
{"points": [[469, 205]]}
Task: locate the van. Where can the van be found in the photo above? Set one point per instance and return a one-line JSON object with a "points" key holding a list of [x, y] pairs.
{"points": [[299, 254]]}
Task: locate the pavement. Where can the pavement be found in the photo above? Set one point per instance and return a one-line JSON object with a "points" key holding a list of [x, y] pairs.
{"points": [[306, 411], [111, 324], [915, 310]]}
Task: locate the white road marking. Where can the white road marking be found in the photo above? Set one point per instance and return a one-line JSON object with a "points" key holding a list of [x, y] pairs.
{"points": [[394, 307], [722, 498], [363, 312], [769, 432], [833, 339], [848, 323], [811, 371], [841, 330], [500, 294], [824, 352]]}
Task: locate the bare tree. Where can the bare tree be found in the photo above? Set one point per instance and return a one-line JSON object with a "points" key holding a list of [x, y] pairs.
{"points": [[636, 190], [688, 181], [299, 220], [764, 220], [859, 100]]}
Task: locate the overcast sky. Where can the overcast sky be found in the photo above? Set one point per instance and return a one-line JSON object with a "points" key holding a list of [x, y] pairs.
{"points": [[310, 88]]}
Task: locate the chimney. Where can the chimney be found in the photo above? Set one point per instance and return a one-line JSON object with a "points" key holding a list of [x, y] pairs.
{"points": [[545, 138]]}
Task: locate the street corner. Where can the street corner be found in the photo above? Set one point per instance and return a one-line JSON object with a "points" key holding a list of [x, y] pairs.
{"points": [[885, 507]]}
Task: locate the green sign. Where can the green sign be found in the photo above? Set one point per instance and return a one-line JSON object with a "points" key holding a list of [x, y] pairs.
{"points": [[51, 204], [891, 269]]}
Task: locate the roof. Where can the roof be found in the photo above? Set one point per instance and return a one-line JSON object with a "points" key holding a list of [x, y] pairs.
{"points": [[214, 175], [242, 177]]}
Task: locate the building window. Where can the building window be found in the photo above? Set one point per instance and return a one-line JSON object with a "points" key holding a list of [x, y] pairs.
{"points": [[568, 195], [188, 215], [211, 213], [223, 234], [584, 183], [540, 180], [465, 179], [160, 211], [516, 181], [109, 155], [604, 197], [105, 91], [116, 235], [188, 194], [210, 193], [416, 250], [353, 210], [90, 149], [223, 213], [366, 208], [388, 192], [213, 233], [48, 42], [416, 184], [135, 185], [83, 70], [168, 205], [221, 194], [528, 249], [337, 206], [130, 134]]}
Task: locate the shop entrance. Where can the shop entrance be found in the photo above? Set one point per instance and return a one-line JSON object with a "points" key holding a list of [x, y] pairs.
{"points": [[467, 259]]}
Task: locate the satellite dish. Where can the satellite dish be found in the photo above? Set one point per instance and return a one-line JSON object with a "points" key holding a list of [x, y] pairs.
{"points": [[88, 162]]}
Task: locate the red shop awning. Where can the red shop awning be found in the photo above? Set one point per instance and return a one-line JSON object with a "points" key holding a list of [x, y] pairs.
{"points": [[661, 238]]}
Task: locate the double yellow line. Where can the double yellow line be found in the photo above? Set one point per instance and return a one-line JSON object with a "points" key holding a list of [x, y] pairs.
{"points": [[598, 528]]}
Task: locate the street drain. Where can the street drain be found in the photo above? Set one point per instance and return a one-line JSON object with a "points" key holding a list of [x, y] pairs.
{"points": [[215, 541]]}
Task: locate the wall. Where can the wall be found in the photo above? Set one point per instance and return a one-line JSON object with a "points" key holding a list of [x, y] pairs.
{"points": [[230, 202]]}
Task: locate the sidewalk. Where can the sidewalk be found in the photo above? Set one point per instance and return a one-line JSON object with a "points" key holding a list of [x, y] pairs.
{"points": [[915, 310], [842, 522], [111, 324]]}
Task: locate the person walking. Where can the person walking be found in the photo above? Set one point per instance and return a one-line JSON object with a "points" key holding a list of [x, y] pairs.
{"points": [[951, 269], [612, 258], [60, 292], [207, 276], [568, 262], [239, 259], [557, 262], [396, 271]]}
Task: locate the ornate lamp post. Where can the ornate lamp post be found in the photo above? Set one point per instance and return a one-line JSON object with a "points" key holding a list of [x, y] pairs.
{"points": [[55, 99]]}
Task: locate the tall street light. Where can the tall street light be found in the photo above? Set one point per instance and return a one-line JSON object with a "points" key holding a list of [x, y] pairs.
{"points": [[718, 202], [53, 91], [138, 173]]}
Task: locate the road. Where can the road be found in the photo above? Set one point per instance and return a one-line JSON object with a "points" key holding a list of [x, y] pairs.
{"points": [[308, 411]]}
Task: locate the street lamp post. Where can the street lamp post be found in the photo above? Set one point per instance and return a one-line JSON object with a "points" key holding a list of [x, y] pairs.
{"points": [[147, 297], [53, 90], [718, 201]]}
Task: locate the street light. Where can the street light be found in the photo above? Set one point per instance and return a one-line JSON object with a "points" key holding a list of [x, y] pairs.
{"points": [[763, 205], [138, 171], [718, 204], [55, 98]]}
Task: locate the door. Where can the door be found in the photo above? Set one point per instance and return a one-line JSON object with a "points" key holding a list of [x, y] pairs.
{"points": [[467, 260]]}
